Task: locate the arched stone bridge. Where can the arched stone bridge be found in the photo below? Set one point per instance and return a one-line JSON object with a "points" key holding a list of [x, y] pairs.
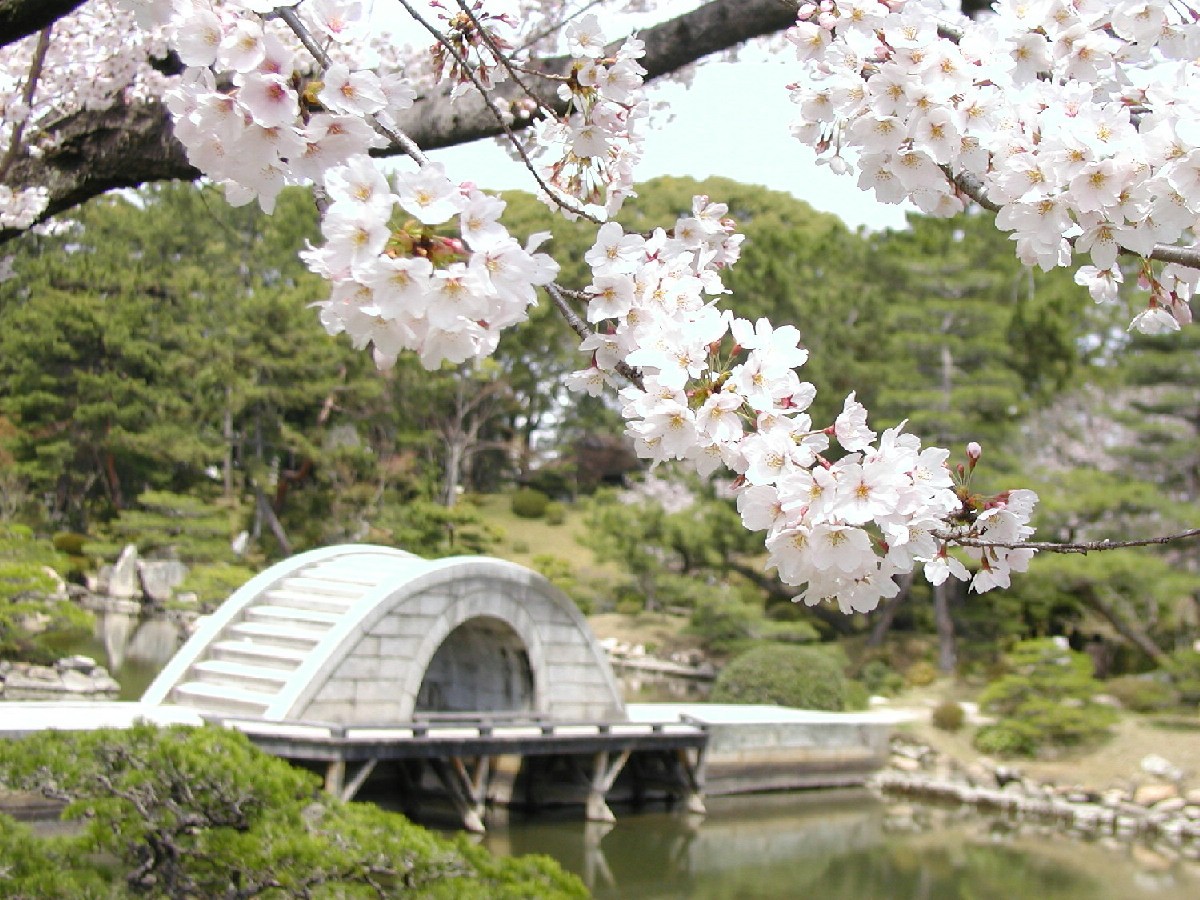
{"points": [[367, 635]]}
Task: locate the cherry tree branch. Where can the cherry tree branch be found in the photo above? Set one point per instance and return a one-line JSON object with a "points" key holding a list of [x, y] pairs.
{"points": [[584, 330], [1083, 547], [130, 143], [21, 18]]}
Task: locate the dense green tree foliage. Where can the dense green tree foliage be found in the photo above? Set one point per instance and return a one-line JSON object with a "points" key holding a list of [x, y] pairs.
{"points": [[36, 623], [200, 812]]}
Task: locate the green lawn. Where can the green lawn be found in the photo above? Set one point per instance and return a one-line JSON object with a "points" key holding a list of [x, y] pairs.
{"points": [[526, 538]]}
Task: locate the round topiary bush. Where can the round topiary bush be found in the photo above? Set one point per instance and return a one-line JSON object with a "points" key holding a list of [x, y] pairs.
{"points": [[555, 513], [786, 675], [948, 716], [529, 503]]}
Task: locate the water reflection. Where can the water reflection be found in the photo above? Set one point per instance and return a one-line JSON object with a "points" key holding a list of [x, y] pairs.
{"points": [[133, 648], [840, 845]]}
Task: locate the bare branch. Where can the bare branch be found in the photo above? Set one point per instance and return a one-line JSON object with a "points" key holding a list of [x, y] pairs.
{"points": [[1083, 547], [581, 328]]}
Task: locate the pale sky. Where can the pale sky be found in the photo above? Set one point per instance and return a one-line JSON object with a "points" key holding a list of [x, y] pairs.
{"points": [[732, 121]]}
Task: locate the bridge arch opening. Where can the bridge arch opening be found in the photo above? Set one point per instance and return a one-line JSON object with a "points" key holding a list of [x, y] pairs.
{"points": [[481, 666]]}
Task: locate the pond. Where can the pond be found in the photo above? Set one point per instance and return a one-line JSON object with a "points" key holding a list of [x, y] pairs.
{"points": [[845, 844]]}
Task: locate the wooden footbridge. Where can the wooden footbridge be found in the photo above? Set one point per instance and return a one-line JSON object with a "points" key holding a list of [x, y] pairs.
{"points": [[389, 672]]}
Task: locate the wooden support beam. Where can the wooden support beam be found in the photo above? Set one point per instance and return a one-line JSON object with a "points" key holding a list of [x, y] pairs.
{"points": [[692, 777], [604, 775], [460, 784], [360, 777], [335, 775]]}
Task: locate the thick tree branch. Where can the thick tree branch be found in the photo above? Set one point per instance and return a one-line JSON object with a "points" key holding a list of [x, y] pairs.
{"points": [[125, 145], [21, 18]]}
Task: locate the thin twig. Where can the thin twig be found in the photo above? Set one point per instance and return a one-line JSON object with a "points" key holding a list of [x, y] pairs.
{"points": [[499, 116], [512, 70], [395, 135], [1083, 547], [557, 26], [584, 330], [35, 73]]}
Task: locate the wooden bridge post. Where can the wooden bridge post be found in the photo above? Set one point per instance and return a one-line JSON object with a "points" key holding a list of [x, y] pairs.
{"points": [[467, 790], [604, 775], [692, 776]]}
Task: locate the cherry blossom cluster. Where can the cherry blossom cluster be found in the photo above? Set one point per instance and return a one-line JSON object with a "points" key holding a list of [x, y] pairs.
{"points": [[720, 390], [412, 288], [589, 155], [93, 55], [1079, 121]]}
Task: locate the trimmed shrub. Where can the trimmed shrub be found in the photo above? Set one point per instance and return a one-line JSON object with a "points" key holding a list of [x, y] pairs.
{"points": [[529, 503], [857, 696], [1006, 738], [786, 675], [948, 716], [921, 674], [1045, 700], [880, 678], [555, 513], [1143, 693]]}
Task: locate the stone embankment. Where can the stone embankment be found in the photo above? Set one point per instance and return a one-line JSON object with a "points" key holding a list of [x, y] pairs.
{"points": [[1155, 805], [72, 678]]}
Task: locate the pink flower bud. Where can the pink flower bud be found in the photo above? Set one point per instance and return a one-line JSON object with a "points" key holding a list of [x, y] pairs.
{"points": [[974, 451]]}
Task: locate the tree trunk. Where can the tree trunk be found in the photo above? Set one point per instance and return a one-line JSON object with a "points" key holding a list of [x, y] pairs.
{"points": [[227, 433], [263, 508], [947, 649], [887, 614]]}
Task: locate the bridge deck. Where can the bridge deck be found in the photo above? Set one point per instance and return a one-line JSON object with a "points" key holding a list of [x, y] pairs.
{"points": [[462, 738]]}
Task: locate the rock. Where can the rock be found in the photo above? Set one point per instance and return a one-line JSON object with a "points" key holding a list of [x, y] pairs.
{"points": [[1192, 796], [1160, 767], [74, 682], [1151, 794], [160, 577], [77, 663], [1170, 805], [905, 764], [123, 580]]}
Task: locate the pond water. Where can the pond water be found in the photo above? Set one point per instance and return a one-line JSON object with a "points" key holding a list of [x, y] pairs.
{"points": [[133, 648], [836, 845]]}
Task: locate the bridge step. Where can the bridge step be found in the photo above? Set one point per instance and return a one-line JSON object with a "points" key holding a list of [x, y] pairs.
{"points": [[221, 698], [259, 654], [356, 571], [296, 598], [293, 618], [275, 635], [235, 674], [312, 584]]}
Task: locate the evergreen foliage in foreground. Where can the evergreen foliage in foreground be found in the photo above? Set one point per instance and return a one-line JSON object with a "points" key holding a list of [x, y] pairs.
{"points": [[200, 812]]}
